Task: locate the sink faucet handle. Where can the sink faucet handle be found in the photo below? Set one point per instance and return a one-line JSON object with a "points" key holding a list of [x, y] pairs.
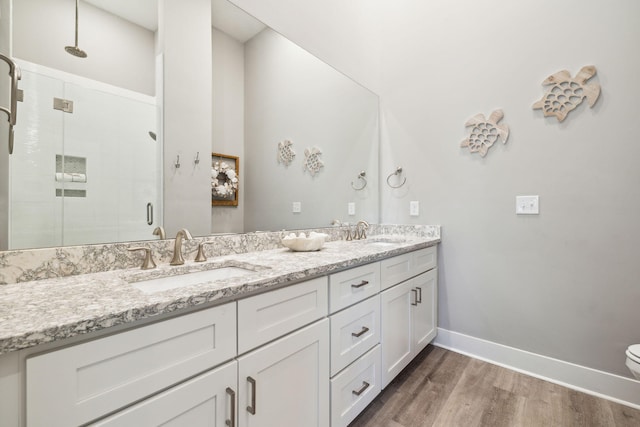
{"points": [[148, 262], [201, 256], [348, 233]]}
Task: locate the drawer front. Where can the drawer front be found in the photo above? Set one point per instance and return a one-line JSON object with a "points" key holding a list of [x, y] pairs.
{"points": [[353, 332], [350, 286], [354, 388], [77, 384], [402, 267], [424, 259], [267, 316], [205, 400]]}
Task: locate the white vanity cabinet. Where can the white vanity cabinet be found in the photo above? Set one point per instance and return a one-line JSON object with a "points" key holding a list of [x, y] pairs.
{"points": [[284, 383], [355, 341], [81, 383], [311, 354], [409, 321]]}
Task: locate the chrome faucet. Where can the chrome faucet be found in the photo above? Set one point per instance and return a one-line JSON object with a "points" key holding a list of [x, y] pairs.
{"points": [[159, 231], [177, 249]]}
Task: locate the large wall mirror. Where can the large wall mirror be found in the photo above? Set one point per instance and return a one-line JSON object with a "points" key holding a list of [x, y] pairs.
{"points": [[88, 164]]}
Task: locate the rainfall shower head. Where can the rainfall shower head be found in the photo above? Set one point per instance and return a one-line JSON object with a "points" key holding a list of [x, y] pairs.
{"points": [[75, 50]]}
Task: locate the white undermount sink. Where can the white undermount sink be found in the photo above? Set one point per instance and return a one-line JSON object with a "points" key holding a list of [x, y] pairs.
{"points": [[383, 241], [160, 284]]}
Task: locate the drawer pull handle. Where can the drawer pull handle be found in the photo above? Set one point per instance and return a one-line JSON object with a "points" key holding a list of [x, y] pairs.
{"points": [[365, 385], [361, 284], [252, 408], [232, 396], [415, 292], [419, 295], [362, 332]]}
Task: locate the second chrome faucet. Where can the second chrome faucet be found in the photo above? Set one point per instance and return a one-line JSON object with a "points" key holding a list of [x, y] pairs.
{"points": [[177, 248]]}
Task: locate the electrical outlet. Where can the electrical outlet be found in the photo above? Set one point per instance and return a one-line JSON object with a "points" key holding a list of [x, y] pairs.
{"points": [[414, 208], [527, 205], [351, 208], [296, 207]]}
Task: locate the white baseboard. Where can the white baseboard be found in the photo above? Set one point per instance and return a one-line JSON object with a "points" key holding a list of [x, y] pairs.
{"points": [[616, 388]]}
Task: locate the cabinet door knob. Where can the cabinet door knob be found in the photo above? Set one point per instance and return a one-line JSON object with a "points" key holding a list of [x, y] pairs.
{"points": [[252, 408], [358, 392], [362, 332], [231, 422], [419, 299], [361, 284]]}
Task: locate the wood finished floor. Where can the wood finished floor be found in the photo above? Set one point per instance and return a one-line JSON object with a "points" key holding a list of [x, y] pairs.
{"points": [[443, 388]]}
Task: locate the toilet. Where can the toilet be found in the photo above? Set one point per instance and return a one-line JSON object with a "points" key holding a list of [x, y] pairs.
{"points": [[633, 360]]}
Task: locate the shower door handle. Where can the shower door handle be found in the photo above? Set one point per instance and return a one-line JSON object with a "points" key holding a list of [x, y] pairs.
{"points": [[12, 111], [149, 213]]}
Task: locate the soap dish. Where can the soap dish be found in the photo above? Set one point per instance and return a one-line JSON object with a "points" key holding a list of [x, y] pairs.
{"points": [[304, 243]]}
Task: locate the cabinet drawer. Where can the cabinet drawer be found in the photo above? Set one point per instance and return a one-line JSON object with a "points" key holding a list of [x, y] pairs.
{"points": [[267, 316], [205, 400], [353, 332], [350, 286], [355, 387], [402, 267], [77, 384]]}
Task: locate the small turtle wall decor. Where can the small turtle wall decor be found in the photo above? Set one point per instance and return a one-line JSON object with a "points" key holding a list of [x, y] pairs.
{"points": [[285, 152], [484, 132], [312, 161], [567, 92]]}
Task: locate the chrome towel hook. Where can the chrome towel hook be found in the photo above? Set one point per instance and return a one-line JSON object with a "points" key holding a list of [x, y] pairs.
{"points": [[397, 172], [177, 163], [361, 176]]}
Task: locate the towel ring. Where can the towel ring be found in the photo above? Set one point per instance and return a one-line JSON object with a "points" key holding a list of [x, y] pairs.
{"points": [[397, 172], [361, 176]]}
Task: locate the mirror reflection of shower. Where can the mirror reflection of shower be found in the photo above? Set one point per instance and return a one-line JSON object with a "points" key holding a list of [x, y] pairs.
{"points": [[75, 50]]}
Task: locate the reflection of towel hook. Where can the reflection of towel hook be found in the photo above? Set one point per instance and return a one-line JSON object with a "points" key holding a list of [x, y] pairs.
{"points": [[397, 172], [361, 176]]}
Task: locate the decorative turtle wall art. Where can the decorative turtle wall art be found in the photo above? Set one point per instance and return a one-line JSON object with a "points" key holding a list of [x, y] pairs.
{"points": [[485, 132], [566, 93], [312, 161], [285, 152]]}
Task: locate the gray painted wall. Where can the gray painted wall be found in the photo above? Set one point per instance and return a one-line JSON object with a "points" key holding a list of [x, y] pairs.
{"points": [[185, 38], [564, 283], [228, 122], [292, 95]]}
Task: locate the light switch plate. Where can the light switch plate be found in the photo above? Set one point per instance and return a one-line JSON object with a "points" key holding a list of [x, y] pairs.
{"points": [[414, 208], [351, 208], [296, 207], [527, 205]]}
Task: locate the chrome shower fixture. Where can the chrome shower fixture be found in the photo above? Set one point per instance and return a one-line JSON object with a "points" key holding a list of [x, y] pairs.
{"points": [[75, 50]]}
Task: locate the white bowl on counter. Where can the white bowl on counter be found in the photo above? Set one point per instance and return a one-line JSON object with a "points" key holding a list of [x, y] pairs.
{"points": [[304, 243]]}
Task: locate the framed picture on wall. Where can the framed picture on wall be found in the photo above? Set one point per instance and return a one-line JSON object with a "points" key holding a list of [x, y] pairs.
{"points": [[225, 173]]}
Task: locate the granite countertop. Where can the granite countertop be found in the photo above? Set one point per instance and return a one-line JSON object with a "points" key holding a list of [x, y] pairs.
{"points": [[47, 310]]}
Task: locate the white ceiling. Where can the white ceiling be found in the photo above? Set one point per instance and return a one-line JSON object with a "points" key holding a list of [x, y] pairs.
{"points": [[224, 16]]}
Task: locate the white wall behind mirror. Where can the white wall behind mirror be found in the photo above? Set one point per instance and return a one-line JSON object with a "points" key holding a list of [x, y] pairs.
{"points": [[260, 89]]}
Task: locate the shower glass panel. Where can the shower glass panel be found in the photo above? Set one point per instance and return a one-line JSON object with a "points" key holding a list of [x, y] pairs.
{"points": [[85, 176]]}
